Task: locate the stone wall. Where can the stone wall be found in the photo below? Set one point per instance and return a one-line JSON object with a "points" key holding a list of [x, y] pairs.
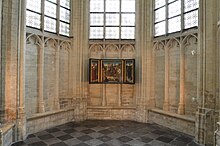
{"points": [[47, 74], [110, 101], [111, 113], [173, 121], [169, 73], [47, 120]]}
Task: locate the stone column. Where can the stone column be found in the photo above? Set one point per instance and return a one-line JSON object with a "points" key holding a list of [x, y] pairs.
{"points": [[181, 108], [21, 80], [1, 70], [41, 107], [167, 68], [217, 132], [56, 100]]}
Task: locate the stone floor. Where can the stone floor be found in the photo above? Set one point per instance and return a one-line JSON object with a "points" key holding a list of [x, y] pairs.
{"points": [[108, 133]]}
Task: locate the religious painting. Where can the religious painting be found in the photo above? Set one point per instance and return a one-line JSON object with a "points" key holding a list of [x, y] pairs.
{"points": [[129, 71], [111, 71], [94, 71]]}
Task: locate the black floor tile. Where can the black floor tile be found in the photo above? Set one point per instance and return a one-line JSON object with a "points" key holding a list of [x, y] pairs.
{"points": [[104, 138], [44, 137], [59, 144], [124, 139], [87, 131], [164, 139], [177, 143], [65, 137], [69, 130], [192, 143], [81, 144], [105, 131], [184, 139], [52, 130], [40, 143], [159, 132], [104, 144], [145, 139], [84, 138]]}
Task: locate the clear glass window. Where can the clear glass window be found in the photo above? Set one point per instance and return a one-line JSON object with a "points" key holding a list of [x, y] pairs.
{"points": [[56, 14], [110, 19], [172, 16]]}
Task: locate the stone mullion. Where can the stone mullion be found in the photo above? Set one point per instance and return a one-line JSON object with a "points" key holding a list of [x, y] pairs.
{"points": [[57, 64], [218, 60], [41, 107], [181, 107], [120, 85], [167, 67], [152, 92], [1, 71], [104, 100], [217, 132]]}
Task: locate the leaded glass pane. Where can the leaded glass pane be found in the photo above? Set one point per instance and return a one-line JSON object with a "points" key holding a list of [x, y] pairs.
{"points": [[50, 9], [112, 19], [160, 14], [112, 5], [128, 6], [112, 33], [65, 3], [174, 9], [170, 1], [96, 5], [64, 15], [49, 24], [127, 32], [96, 19], [191, 19], [33, 19], [159, 3], [127, 19], [174, 24], [64, 28], [54, 1], [160, 28], [190, 5], [34, 5], [96, 33]]}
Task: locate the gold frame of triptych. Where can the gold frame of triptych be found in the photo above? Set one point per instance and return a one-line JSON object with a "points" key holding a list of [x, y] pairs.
{"points": [[111, 71]]}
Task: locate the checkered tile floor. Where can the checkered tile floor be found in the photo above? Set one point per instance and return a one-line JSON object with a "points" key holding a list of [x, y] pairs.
{"points": [[108, 133]]}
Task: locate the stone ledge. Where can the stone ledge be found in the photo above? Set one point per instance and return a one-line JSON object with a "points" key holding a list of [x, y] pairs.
{"points": [[6, 134], [41, 115], [167, 113], [111, 107], [4, 128]]}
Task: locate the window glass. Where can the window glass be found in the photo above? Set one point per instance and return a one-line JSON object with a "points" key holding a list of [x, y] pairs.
{"points": [[112, 33], [33, 19], [56, 14], [191, 19], [110, 19], [172, 16]]}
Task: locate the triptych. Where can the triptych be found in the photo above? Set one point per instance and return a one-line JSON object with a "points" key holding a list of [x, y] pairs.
{"points": [[112, 71]]}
